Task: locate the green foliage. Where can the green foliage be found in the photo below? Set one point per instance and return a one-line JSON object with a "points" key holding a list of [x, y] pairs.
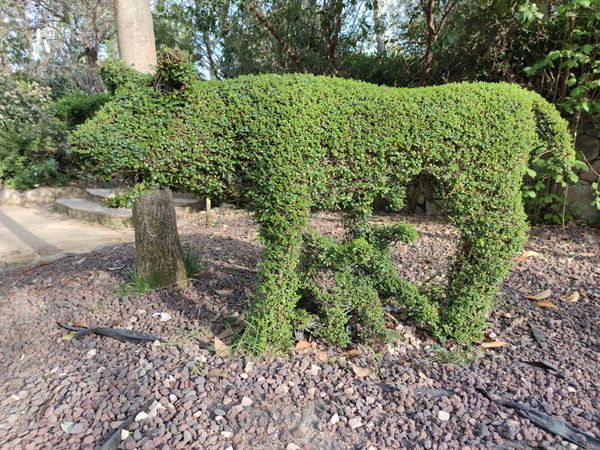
{"points": [[137, 284], [76, 107], [285, 145], [140, 285], [460, 355], [191, 260], [32, 140]]}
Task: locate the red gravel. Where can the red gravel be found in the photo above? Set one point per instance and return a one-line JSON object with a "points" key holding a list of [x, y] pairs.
{"points": [[87, 387]]}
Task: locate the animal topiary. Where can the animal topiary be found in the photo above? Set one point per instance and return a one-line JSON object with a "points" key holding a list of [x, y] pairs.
{"points": [[282, 146]]}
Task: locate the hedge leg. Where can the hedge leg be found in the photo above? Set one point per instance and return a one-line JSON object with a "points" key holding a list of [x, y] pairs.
{"points": [[273, 308], [490, 238]]}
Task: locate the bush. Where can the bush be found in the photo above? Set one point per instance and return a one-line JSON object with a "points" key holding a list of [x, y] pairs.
{"points": [[76, 107], [32, 139], [285, 145]]}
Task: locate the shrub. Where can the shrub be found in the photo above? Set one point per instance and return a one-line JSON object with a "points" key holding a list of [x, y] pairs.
{"points": [[285, 145], [76, 107], [32, 139]]}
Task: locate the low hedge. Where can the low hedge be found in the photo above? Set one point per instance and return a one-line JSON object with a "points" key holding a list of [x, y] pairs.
{"points": [[285, 145]]}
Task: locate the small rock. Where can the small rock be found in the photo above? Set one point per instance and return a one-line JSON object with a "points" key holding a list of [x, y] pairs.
{"points": [[91, 353], [226, 434], [124, 434], [334, 419], [164, 317], [292, 446], [133, 319], [219, 412], [355, 423], [571, 389], [443, 416], [172, 398], [246, 401], [141, 416]]}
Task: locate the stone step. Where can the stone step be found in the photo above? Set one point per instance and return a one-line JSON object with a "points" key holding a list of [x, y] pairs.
{"points": [[185, 204], [92, 211]]}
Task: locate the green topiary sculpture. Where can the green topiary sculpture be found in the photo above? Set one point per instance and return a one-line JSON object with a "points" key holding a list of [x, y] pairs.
{"points": [[285, 145]]}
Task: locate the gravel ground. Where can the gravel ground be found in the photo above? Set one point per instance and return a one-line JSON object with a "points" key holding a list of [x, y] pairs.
{"points": [[57, 393]]}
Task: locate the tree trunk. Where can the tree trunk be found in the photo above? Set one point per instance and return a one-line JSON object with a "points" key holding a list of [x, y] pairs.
{"points": [[135, 34], [159, 257], [379, 30], [158, 254]]}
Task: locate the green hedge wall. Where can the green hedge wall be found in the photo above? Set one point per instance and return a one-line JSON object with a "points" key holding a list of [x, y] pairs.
{"points": [[285, 145]]}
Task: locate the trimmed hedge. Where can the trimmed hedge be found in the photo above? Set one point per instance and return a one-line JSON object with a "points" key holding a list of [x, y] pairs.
{"points": [[285, 145]]}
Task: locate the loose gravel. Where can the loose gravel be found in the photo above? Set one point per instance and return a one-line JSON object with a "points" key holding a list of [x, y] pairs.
{"points": [[57, 393]]}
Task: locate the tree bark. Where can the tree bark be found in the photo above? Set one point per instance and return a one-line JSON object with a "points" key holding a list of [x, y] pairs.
{"points": [[158, 254], [379, 30], [159, 257], [135, 34]]}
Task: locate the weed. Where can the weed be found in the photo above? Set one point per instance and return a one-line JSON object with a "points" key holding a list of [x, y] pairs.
{"points": [[461, 356]]}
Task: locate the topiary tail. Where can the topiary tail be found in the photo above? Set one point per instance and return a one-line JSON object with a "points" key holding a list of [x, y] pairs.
{"points": [[553, 134]]}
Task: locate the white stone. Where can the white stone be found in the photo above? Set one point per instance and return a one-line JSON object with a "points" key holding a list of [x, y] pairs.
{"points": [[227, 401], [164, 317], [172, 398], [370, 400], [141, 416], [226, 434], [124, 434], [334, 419], [443, 415], [91, 353], [355, 423], [314, 370], [133, 319], [571, 389], [292, 446], [246, 401], [249, 367]]}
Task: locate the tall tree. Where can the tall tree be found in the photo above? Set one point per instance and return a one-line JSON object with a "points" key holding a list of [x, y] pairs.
{"points": [[158, 253]]}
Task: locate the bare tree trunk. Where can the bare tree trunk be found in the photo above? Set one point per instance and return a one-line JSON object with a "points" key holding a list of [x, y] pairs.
{"points": [[135, 34], [379, 30], [159, 257], [158, 254]]}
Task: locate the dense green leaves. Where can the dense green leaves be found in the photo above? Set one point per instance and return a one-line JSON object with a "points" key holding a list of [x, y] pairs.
{"points": [[285, 145]]}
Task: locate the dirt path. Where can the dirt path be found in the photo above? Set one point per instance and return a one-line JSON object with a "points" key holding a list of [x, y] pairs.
{"points": [[64, 394], [27, 233]]}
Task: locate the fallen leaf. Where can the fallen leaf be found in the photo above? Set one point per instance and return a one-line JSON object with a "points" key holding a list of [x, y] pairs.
{"points": [[352, 353], [321, 356], [526, 255], [493, 344], [361, 372], [582, 292], [302, 345], [116, 323], [517, 321], [224, 292], [221, 349], [70, 335], [571, 298], [80, 324], [546, 304], [216, 373], [540, 295]]}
